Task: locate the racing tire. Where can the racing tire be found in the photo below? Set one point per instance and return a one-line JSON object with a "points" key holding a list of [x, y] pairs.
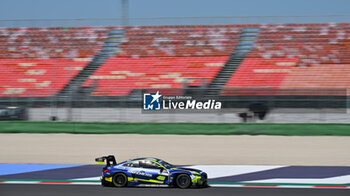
{"points": [[183, 181], [120, 180]]}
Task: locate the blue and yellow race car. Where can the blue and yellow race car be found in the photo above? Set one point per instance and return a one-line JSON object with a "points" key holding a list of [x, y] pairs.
{"points": [[149, 172]]}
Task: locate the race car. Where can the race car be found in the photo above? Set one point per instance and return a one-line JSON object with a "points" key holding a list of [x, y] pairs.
{"points": [[149, 172]]}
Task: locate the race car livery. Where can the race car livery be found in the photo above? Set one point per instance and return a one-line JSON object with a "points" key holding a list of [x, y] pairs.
{"points": [[149, 171]]}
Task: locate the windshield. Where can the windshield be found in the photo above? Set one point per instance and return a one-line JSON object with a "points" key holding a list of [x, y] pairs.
{"points": [[165, 164]]}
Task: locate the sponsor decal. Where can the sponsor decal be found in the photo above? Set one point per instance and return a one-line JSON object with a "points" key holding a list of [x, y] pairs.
{"points": [[192, 104], [155, 101], [141, 173], [152, 101]]}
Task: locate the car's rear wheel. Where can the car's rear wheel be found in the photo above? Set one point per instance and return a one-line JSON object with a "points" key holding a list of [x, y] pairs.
{"points": [[120, 180], [183, 181]]}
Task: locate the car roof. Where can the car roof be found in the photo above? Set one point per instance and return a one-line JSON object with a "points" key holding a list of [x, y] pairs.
{"points": [[146, 159]]}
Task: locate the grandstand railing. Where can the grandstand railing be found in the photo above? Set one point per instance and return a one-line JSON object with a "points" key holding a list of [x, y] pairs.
{"points": [[283, 108], [231, 98], [202, 20]]}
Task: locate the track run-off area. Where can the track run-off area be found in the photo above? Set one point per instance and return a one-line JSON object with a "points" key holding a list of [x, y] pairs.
{"points": [[218, 175], [70, 190], [63, 164]]}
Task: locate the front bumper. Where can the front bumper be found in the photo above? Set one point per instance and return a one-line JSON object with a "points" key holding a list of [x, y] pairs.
{"points": [[200, 180]]}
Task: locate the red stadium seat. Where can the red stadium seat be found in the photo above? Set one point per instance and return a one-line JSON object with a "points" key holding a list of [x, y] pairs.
{"points": [[41, 61], [36, 77], [118, 76]]}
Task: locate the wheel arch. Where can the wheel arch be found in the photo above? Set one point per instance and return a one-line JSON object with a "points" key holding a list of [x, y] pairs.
{"points": [[175, 174], [116, 171], [179, 173], [120, 172]]}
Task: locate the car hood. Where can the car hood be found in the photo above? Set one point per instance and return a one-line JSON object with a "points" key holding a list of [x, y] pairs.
{"points": [[185, 169]]}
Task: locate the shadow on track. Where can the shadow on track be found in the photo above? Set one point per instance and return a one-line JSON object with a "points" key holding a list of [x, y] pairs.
{"points": [[88, 190]]}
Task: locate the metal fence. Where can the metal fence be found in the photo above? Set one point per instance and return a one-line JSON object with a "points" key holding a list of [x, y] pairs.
{"points": [[284, 105], [202, 20]]}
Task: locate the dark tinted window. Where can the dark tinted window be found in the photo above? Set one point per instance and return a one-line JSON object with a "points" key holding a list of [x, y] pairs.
{"points": [[131, 164], [165, 164], [149, 165]]}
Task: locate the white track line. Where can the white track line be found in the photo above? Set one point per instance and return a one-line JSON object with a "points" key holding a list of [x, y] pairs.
{"points": [[212, 185]]}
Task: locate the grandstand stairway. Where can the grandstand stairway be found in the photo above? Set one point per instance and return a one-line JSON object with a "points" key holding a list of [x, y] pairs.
{"points": [[245, 45], [111, 44]]}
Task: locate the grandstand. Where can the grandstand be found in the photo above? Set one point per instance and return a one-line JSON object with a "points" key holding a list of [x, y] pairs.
{"points": [[115, 60], [37, 77]]}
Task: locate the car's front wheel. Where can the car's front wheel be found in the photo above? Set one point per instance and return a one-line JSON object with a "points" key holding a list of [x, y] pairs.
{"points": [[183, 181], [120, 180]]}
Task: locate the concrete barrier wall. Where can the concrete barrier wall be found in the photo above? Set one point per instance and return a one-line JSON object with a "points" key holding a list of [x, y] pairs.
{"points": [[135, 115]]}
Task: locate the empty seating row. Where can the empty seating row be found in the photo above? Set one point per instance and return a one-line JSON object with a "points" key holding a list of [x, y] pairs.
{"points": [[118, 76], [191, 40], [37, 77], [52, 42], [324, 43], [259, 76]]}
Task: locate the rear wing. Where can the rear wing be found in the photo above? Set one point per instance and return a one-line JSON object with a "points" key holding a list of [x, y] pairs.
{"points": [[110, 160]]}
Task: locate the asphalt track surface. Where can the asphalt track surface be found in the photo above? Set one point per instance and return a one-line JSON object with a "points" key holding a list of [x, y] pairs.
{"points": [[85, 190]]}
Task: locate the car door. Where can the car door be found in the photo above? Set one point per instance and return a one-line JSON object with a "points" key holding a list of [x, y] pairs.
{"points": [[133, 168], [150, 172]]}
